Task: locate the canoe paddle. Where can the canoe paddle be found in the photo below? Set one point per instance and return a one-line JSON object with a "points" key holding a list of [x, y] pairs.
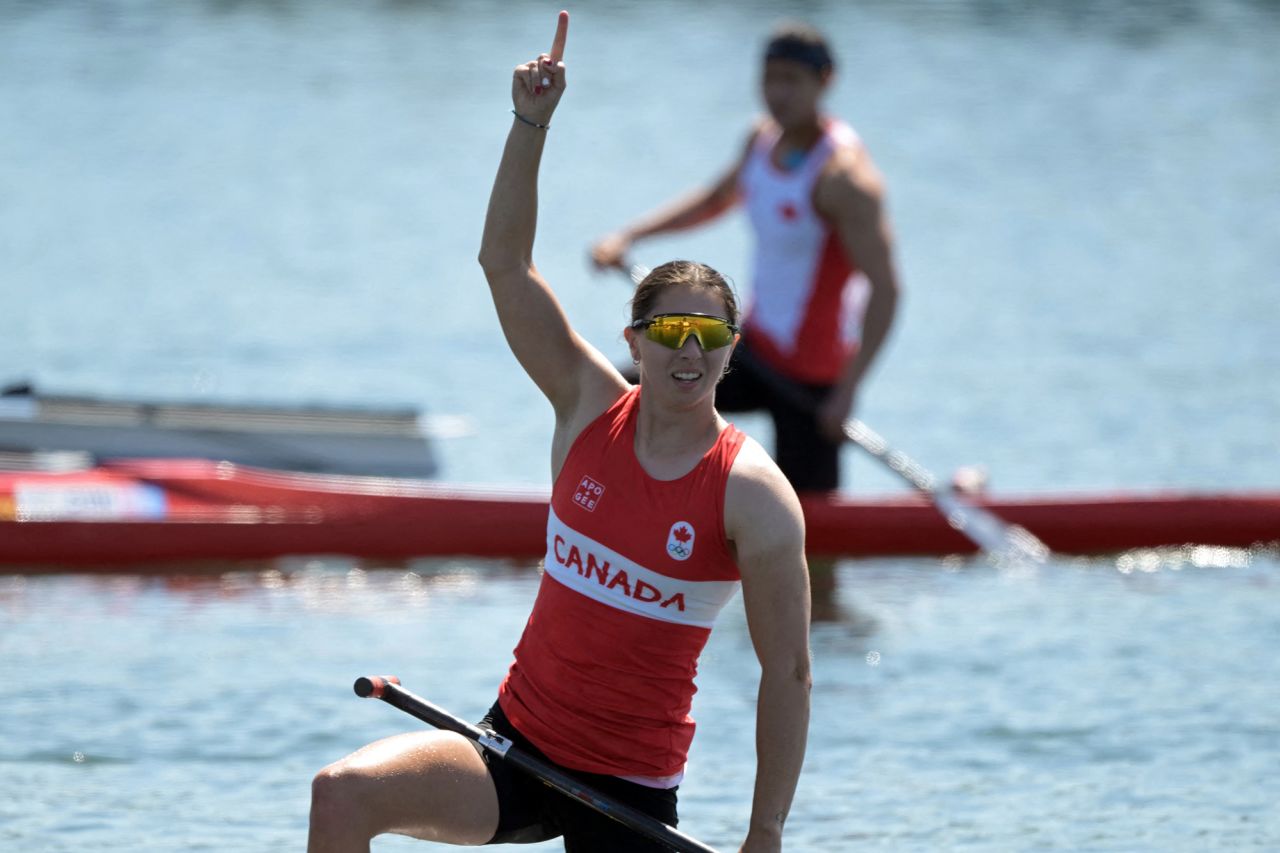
{"points": [[1006, 542], [388, 689], [982, 527]]}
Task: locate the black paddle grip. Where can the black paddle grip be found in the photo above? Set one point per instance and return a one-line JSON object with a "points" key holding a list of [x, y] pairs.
{"points": [[373, 686]]}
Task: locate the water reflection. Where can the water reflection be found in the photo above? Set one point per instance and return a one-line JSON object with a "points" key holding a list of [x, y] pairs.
{"points": [[328, 584], [1151, 560], [829, 606]]}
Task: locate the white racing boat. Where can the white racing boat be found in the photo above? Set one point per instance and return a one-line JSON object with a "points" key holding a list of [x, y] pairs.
{"points": [[388, 442]]}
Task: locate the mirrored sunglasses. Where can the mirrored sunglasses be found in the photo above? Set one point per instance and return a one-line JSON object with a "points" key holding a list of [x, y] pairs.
{"points": [[672, 330]]}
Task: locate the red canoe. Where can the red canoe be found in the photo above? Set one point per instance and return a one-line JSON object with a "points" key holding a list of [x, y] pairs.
{"points": [[159, 511]]}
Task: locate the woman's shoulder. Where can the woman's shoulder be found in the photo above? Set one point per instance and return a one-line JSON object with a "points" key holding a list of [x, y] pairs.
{"points": [[758, 496], [753, 463]]}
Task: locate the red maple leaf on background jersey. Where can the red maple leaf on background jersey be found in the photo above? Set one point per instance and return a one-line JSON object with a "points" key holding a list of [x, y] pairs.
{"points": [[681, 534]]}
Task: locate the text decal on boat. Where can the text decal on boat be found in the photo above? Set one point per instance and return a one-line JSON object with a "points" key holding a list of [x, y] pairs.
{"points": [[35, 501], [584, 565]]}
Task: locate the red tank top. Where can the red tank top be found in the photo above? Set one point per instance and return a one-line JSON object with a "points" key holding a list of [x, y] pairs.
{"points": [[636, 571]]}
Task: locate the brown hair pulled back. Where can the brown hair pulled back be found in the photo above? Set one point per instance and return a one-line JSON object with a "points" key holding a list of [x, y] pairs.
{"points": [[682, 274]]}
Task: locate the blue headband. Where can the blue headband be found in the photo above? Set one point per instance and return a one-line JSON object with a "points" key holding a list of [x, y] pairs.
{"points": [[814, 55]]}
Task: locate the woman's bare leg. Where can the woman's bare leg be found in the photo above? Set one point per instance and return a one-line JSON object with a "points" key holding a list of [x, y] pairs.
{"points": [[429, 785]]}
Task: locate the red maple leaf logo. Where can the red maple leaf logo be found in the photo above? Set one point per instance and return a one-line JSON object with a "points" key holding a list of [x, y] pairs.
{"points": [[788, 211], [682, 534]]}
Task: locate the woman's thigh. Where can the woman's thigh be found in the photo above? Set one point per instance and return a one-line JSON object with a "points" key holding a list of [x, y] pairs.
{"points": [[431, 785]]}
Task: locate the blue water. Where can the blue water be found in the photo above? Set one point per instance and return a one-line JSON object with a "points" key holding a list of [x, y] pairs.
{"points": [[282, 201]]}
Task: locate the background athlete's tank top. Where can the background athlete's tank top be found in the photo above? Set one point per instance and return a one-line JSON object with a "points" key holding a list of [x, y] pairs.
{"points": [[804, 316], [636, 571]]}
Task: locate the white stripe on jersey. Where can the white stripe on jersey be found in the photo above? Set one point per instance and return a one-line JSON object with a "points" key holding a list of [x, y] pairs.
{"points": [[586, 566]]}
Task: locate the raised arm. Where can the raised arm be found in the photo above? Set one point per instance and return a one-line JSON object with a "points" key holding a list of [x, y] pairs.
{"points": [[699, 206], [564, 366], [763, 518]]}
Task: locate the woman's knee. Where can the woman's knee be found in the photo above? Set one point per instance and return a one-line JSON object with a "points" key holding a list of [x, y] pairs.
{"points": [[338, 801]]}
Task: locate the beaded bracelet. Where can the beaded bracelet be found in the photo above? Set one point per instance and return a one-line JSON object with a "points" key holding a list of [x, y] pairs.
{"points": [[530, 123]]}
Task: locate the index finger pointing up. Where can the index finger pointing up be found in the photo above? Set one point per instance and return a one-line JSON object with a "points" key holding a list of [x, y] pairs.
{"points": [[562, 32]]}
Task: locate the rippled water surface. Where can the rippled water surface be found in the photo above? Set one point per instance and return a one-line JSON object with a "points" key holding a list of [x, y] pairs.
{"points": [[1089, 705], [282, 200]]}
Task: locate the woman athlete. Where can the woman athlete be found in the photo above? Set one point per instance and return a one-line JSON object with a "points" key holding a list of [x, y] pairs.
{"points": [[659, 511]]}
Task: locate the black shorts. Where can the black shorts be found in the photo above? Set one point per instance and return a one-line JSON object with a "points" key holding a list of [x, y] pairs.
{"points": [[530, 811], [808, 460]]}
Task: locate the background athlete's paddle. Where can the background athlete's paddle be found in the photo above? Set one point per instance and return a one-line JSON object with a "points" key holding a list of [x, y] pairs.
{"points": [[1001, 540], [388, 689], [1005, 542]]}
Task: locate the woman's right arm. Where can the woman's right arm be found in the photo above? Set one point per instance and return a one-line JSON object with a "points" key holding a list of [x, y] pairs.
{"points": [[561, 364], [765, 523]]}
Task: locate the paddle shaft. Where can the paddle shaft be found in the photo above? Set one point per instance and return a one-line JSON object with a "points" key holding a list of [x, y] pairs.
{"points": [[388, 689], [979, 525]]}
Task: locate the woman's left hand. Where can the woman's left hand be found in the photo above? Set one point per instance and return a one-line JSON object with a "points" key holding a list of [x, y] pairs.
{"points": [[536, 86], [833, 411]]}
